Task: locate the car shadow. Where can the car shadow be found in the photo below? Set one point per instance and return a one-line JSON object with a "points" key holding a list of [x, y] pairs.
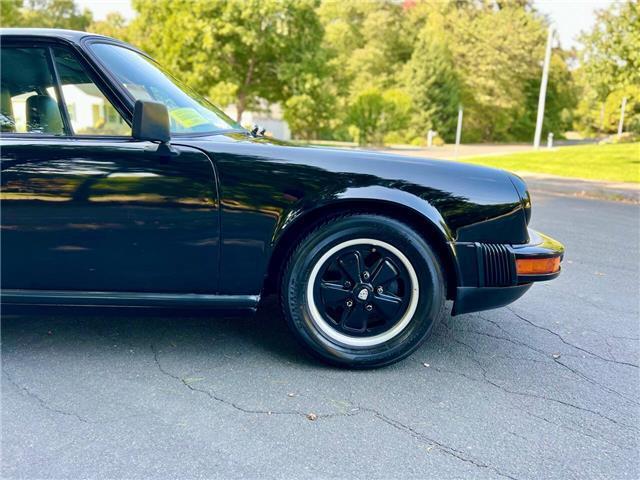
{"points": [[265, 331], [263, 338]]}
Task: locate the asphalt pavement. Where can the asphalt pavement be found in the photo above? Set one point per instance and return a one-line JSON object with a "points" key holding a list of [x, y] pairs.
{"points": [[546, 388]]}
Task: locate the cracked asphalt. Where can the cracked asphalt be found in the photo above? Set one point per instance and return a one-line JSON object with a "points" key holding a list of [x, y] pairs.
{"points": [[546, 388]]}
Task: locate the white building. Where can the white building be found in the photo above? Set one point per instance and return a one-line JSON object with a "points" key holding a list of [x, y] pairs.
{"points": [[268, 117]]}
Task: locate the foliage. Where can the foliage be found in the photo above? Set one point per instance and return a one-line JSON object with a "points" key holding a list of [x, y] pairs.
{"points": [[613, 105], [45, 14], [561, 101], [248, 49], [616, 163], [434, 85], [373, 113], [114, 25], [308, 115], [611, 54], [381, 70], [610, 70]]}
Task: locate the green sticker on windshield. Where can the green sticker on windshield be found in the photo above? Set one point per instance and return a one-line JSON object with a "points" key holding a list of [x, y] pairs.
{"points": [[188, 117]]}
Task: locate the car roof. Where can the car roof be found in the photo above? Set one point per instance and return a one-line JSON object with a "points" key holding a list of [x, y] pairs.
{"points": [[70, 35]]}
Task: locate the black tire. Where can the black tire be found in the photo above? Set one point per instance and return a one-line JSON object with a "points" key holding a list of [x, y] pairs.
{"points": [[338, 249]]}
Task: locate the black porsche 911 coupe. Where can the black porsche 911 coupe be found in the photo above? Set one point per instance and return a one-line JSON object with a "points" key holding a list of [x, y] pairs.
{"points": [[121, 187]]}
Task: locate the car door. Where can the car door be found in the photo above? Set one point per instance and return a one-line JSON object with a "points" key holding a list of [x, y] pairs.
{"points": [[84, 206]]}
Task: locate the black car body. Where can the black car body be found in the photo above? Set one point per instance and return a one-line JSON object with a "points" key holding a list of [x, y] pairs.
{"points": [[211, 221]]}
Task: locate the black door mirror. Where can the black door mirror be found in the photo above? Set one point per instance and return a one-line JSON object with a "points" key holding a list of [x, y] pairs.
{"points": [[151, 122]]}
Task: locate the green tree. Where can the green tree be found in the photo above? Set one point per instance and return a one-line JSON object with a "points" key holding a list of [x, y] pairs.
{"points": [[365, 41], [310, 114], [44, 14], [561, 100], [10, 13], [241, 49], [433, 84], [114, 25], [373, 113], [497, 48], [610, 69], [611, 53]]}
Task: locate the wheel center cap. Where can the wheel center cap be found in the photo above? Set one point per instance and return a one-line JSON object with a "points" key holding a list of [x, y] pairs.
{"points": [[363, 294]]}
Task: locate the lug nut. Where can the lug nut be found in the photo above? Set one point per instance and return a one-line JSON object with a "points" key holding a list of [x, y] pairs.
{"points": [[347, 284], [379, 290], [368, 308], [365, 275], [349, 303]]}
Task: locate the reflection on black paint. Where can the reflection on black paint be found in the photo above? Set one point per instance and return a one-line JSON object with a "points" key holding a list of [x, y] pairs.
{"points": [[108, 219], [115, 216], [263, 182]]}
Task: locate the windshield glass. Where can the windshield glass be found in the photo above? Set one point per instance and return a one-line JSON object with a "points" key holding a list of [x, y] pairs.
{"points": [[144, 79]]}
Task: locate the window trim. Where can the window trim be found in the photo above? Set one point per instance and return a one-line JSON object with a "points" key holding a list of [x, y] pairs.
{"points": [[62, 105], [46, 136]]}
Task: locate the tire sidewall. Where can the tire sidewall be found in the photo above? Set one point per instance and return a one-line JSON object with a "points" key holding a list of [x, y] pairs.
{"points": [[419, 254]]}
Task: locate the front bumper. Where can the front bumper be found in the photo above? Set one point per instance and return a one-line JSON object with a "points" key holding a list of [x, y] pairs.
{"points": [[488, 276]]}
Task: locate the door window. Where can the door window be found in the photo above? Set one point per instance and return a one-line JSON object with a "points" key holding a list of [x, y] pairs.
{"points": [[29, 95], [28, 100], [90, 112]]}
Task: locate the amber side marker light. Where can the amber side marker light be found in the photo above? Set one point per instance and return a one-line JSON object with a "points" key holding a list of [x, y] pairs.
{"points": [[537, 266]]}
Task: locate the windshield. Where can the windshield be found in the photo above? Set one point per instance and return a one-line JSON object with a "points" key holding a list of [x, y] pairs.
{"points": [[144, 79]]}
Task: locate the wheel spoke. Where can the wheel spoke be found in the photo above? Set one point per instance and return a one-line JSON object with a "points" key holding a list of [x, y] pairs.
{"points": [[355, 319], [387, 304], [384, 273], [333, 294], [351, 264]]}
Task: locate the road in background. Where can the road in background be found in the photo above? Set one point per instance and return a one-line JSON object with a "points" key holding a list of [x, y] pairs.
{"points": [[547, 388], [449, 151], [543, 182]]}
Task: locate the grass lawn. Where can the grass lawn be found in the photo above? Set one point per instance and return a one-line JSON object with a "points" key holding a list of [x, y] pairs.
{"points": [[616, 163]]}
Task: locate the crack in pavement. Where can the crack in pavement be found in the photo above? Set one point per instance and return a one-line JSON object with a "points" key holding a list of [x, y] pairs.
{"points": [[357, 411], [574, 371], [41, 401], [527, 394], [432, 442], [583, 299], [561, 338], [595, 382], [579, 432], [236, 406], [22, 390]]}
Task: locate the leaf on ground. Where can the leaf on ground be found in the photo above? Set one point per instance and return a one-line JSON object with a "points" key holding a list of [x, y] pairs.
{"points": [[192, 379]]}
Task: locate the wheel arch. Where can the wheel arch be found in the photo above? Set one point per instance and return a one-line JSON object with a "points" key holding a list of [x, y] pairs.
{"points": [[426, 221]]}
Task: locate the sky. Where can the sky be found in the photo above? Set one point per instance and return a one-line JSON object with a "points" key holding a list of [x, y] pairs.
{"points": [[568, 17]]}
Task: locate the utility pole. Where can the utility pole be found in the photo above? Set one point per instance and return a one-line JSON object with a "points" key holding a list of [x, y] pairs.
{"points": [[543, 90], [621, 124], [459, 129]]}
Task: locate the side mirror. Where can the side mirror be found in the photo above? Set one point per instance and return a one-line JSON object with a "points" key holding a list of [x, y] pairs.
{"points": [[151, 122]]}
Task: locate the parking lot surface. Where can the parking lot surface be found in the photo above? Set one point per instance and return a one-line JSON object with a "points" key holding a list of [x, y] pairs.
{"points": [[545, 388]]}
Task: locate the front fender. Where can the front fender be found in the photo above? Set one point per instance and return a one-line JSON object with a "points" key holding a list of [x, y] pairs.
{"points": [[398, 204], [371, 195]]}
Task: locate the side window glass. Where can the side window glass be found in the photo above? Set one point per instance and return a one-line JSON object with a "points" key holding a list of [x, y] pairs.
{"points": [[28, 101], [90, 112]]}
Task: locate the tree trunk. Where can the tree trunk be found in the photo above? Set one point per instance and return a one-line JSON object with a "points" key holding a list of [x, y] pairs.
{"points": [[241, 104]]}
